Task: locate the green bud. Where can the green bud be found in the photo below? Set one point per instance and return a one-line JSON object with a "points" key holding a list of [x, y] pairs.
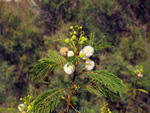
{"points": [[73, 37], [75, 32], [29, 107], [22, 108], [85, 39], [71, 27], [76, 26], [67, 40], [80, 27], [81, 42], [141, 70], [82, 38], [25, 103], [21, 99], [81, 55], [71, 33]]}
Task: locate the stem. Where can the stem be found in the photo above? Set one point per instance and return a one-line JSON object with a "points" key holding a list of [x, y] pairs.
{"points": [[131, 97], [129, 102], [71, 45], [72, 86]]}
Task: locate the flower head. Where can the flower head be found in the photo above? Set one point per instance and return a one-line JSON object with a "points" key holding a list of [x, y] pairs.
{"points": [[21, 107], [69, 69], [88, 50], [89, 65], [63, 51], [140, 75], [70, 54]]}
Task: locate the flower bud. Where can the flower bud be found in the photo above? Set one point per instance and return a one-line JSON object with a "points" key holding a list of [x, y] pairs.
{"points": [[81, 42], [82, 38], [85, 39], [29, 107], [67, 40], [73, 37], [71, 27], [25, 103], [81, 55], [75, 32]]}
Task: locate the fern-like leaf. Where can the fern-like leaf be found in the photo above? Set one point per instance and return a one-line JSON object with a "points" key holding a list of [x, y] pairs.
{"points": [[103, 45], [98, 45], [47, 102], [91, 42], [54, 56], [108, 80], [102, 91], [47, 65]]}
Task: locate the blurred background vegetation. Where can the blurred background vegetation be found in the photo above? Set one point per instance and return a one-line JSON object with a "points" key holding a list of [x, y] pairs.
{"points": [[27, 31]]}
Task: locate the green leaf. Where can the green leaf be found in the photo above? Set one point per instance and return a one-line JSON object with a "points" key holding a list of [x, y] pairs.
{"points": [[54, 56], [47, 65], [108, 80], [142, 90], [100, 40], [91, 42], [48, 101], [102, 91], [103, 45]]}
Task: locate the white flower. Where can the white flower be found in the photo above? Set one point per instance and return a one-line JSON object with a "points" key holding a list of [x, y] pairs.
{"points": [[89, 65], [70, 54], [88, 51], [21, 107], [85, 57], [69, 69]]}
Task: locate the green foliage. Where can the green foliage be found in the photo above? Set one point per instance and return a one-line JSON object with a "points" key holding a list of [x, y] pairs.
{"points": [[102, 82], [110, 84], [48, 101], [20, 37], [124, 23], [55, 57], [9, 110], [47, 65], [99, 91]]}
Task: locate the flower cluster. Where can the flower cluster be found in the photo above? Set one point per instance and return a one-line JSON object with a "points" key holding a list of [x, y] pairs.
{"points": [[85, 53], [77, 39], [26, 105], [139, 71]]}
